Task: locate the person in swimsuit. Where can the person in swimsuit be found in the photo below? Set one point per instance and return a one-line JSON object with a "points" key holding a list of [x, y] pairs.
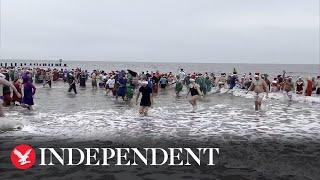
{"points": [[274, 85], [288, 88], [221, 82], [299, 86], [110, 84], [308, 91], [94, 80], [259, 86], [194, 89], [3, 82], [146, 99], [48, 78]]}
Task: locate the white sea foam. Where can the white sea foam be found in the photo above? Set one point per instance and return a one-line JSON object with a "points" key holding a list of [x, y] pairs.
{"points": [[272, 95], [9, 125]]}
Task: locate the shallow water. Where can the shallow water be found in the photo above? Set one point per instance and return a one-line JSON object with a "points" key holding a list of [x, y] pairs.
{"points": [[229, 116]]}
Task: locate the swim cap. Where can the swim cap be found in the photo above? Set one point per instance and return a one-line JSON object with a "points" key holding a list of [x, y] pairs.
{"points": [[192, 80], [144, 82]]}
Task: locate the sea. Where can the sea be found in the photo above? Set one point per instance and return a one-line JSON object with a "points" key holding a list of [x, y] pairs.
{"points": [[226, 117]]}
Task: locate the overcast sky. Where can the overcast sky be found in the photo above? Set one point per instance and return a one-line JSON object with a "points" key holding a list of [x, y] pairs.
{"points": [[242, 31]]}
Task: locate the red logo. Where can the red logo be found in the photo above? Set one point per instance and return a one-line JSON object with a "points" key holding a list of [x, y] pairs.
{"points": [[23, 156]]}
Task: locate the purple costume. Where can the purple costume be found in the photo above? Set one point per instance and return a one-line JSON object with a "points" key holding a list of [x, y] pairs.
{"points": [[29, 90]]}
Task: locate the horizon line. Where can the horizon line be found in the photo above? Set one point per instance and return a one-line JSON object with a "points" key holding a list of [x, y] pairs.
{"points": [[144, 61]]}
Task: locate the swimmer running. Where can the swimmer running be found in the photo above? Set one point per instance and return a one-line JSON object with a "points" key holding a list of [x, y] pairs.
{"points": [[195, 91], [259, 86]]}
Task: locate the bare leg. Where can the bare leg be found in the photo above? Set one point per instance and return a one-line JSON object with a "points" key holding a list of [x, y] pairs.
{"points": [[141, 109], [256, 105], [1, 111], [145, 112], [259, 105], [193, 102]]}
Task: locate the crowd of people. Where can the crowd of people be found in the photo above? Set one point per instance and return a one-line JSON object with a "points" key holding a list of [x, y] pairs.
{"points": [[17, 84]]}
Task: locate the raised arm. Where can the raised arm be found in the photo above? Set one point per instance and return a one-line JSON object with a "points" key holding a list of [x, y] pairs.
{"points": [[284, 74]]}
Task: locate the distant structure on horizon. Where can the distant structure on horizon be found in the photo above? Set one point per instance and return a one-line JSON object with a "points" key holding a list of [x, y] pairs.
{"points": [[22, 63]]}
